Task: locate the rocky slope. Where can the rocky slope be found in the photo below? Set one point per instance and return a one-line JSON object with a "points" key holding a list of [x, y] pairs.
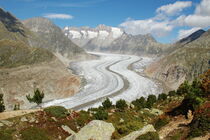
{"points": [[53, 38], [111, 39], [24, 67], [188, 59]]}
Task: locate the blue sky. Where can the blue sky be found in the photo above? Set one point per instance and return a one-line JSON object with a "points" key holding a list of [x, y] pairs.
{"points": [[166, 20]]}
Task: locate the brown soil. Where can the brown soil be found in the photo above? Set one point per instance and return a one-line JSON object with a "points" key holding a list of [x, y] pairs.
{"points": [[12, 114], [177, 123]]}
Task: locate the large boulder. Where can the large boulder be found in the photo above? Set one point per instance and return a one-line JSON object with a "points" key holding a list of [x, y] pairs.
{"points": [[95, 130], [136, 134]]}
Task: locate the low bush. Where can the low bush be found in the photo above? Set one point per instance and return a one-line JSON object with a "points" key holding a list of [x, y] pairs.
{"points": [[200, 124], [101, 115], [150, 101], [121, 104], [57, 111], [172, 93], [83, 118], [162, 96], [160, 123], [149, 136], [107, 104], [139, 103]]}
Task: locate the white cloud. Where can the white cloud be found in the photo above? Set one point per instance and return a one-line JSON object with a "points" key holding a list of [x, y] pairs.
{"points": [[185, 33], [193, 21], [200, 18], [172, 9], [58, 16], [135, 27], [163, 22], [203, 8]]}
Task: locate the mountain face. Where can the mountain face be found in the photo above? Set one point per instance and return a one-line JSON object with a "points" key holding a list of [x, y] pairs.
{"points": [[191, 37], [111, 39], [27, 63], [53, 37], [185, 62]]}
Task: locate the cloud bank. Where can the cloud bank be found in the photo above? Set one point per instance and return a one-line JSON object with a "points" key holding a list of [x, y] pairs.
{"points": [[169, 17]]}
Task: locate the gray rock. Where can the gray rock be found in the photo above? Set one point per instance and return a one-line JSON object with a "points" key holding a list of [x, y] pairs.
{"points": [[96, 130], [136, 134], [156, 111], [23, 119], [121, 120], [8, 123], [32, 119], [1, 124], [67, 129], [54, 119]]}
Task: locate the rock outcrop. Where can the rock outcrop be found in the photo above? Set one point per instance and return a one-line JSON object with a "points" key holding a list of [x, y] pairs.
{"points": [[95, 130], [136, 134]]}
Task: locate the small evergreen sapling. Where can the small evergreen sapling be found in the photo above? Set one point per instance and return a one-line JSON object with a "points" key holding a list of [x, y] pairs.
{"points": [[37, 98], [2, 106]]}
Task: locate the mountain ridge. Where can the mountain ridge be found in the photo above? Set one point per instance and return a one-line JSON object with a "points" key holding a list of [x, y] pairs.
{"points": [[113, 39]]}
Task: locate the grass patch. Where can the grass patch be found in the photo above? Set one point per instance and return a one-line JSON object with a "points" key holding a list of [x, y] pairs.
{"points": [[34, 133], [6, 134], [149, 136], [57, 111], [160, 123]]}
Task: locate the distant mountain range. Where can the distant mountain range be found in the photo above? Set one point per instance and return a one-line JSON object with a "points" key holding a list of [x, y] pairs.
{"points": [[111, 39]]}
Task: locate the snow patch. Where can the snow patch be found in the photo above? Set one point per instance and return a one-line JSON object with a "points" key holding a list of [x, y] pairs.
{"points": [[117, 32], [103, 34], [75, 34], [92, 34], [84, 34], [66, 28]]}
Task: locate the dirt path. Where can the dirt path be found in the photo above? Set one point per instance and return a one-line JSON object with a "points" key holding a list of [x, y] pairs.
{"points": [[173, 125], [11, 114]]}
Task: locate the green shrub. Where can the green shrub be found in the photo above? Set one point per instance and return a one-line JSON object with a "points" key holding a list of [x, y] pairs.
{"points": [[34, 133], [121, 104], [200, 124], [122, 130], [37, 97], [139, 103], [2, 106], [57, 111], [101, 115], [172, 93], [160, 123], [149, 136], [83, 118], [162, 96], [17, 107], [107, 103], [150, 101]]}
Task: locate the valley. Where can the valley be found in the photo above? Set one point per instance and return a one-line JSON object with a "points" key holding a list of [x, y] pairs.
{"points": [[108, 76]]}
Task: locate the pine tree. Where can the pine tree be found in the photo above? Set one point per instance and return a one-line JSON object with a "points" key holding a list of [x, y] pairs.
{"points": [[37, 98], [107, 103], [2, 106]]}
